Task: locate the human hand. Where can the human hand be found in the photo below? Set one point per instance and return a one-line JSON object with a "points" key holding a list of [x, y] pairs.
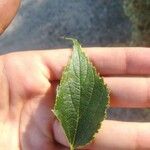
{"points": [[8, 9], [28, 83]]}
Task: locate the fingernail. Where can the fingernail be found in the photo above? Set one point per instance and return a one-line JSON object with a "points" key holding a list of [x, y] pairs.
{"points": [[59, 134]]}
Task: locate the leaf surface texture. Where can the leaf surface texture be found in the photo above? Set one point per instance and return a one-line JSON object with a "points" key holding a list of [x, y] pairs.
{"points": [[81, 100]]}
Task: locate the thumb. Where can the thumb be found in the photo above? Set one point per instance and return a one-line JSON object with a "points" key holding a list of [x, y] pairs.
{"points": [[59, 134], [8, 9]]}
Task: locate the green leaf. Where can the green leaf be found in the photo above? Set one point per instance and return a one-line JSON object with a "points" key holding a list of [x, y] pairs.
{"points": [[81, 100]]}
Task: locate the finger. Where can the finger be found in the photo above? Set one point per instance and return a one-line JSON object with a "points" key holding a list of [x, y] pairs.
{"points": [[129, 92], [8, 9], [121, 61], [108, 61], [114, 135], [122, 135]]}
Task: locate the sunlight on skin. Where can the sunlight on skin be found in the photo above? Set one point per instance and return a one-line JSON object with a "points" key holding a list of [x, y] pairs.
{"points": [[27, 97], [8, 9]]}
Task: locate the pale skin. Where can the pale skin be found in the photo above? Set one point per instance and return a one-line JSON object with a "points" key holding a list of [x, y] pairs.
{"points": [[28, 82]]}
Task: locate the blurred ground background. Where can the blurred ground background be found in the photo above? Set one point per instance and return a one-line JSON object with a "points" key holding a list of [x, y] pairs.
{"points": [[40, 24]]}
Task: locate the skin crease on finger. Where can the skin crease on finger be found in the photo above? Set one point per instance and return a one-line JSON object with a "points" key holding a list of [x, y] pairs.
{"points": [[8, 10]]}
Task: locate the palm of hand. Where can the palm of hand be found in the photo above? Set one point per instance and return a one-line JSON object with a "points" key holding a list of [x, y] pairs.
{"points": [[26, 112]]}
